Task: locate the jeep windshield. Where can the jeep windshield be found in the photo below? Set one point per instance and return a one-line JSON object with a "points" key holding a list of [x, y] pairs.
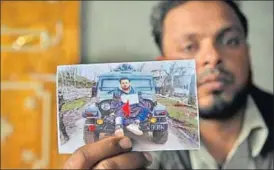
{"points": [[137, 84]]}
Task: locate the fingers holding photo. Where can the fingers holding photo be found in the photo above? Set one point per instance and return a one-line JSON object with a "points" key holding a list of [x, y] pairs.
{"points": [[130, 160], [90, 154]]}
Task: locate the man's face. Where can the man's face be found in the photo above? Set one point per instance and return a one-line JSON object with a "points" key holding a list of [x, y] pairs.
{"points": [[211, 33], [125, 84]]}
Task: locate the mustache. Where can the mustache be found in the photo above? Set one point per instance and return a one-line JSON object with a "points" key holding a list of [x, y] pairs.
{"points": [[222, 75]]}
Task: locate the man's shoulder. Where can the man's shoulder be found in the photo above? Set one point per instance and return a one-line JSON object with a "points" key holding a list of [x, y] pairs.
{"points": [[132, 90], [258, 91], [117, 92], [264, 102], [263, 99]]}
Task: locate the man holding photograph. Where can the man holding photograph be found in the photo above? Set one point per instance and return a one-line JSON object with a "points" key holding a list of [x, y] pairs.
{"points": [[236, 118]]}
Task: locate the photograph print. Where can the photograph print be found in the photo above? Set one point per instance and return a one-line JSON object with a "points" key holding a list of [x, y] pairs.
{"points": [[154, 103]]}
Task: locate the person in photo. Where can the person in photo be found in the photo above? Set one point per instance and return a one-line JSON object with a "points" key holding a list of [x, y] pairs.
{"points": [[126, 114]]}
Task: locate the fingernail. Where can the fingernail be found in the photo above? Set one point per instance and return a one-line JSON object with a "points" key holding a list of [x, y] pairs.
{"points": [[125, 143], [148, 157]]}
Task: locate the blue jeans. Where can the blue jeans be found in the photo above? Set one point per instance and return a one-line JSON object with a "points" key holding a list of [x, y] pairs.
{"points": [[120, 120]]}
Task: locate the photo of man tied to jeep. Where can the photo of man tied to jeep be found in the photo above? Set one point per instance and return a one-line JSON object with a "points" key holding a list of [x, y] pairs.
{"points": [[154, 103]]}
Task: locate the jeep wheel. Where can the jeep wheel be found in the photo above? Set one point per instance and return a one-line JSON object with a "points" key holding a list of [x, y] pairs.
{"points": [[90, 137], [160, 137]]}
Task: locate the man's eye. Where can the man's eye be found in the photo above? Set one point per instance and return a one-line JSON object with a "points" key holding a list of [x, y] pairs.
{"points": [[190, 48], [233, 42]]}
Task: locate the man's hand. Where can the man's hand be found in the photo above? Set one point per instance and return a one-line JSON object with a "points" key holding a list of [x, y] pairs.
{"points": [[109, 153]]}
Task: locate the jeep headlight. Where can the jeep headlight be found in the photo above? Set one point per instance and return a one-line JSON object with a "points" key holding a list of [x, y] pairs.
{"points": [[100, 121], [105, 106], [153, 120]]}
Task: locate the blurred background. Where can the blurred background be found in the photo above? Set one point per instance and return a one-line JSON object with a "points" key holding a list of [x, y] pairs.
{"points": [[38, 36]]}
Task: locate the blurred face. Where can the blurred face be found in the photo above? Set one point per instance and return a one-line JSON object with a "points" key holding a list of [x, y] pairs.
{"points": [[125, 84], [211, 33]]}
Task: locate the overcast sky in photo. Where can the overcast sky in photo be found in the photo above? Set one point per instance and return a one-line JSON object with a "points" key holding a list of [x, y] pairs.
{"points": [[91, 71]]}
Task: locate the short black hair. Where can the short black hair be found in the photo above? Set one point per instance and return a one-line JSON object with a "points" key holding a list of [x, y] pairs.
{"points": [[163, 7], [124, 78]]}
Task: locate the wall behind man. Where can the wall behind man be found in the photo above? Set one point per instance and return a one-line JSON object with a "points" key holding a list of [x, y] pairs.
{"points": [[260, 16], [114, 31], [117, 31]]}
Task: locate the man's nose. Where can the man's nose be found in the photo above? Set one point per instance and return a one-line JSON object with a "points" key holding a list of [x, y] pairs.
{"points": [[210, 56]]}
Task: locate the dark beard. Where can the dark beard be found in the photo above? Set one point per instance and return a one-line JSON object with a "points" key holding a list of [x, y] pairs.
{"points": [[223, 110]]}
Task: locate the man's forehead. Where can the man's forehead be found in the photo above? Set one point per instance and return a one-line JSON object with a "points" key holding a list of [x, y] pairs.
{"points": [[197, 16]]}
